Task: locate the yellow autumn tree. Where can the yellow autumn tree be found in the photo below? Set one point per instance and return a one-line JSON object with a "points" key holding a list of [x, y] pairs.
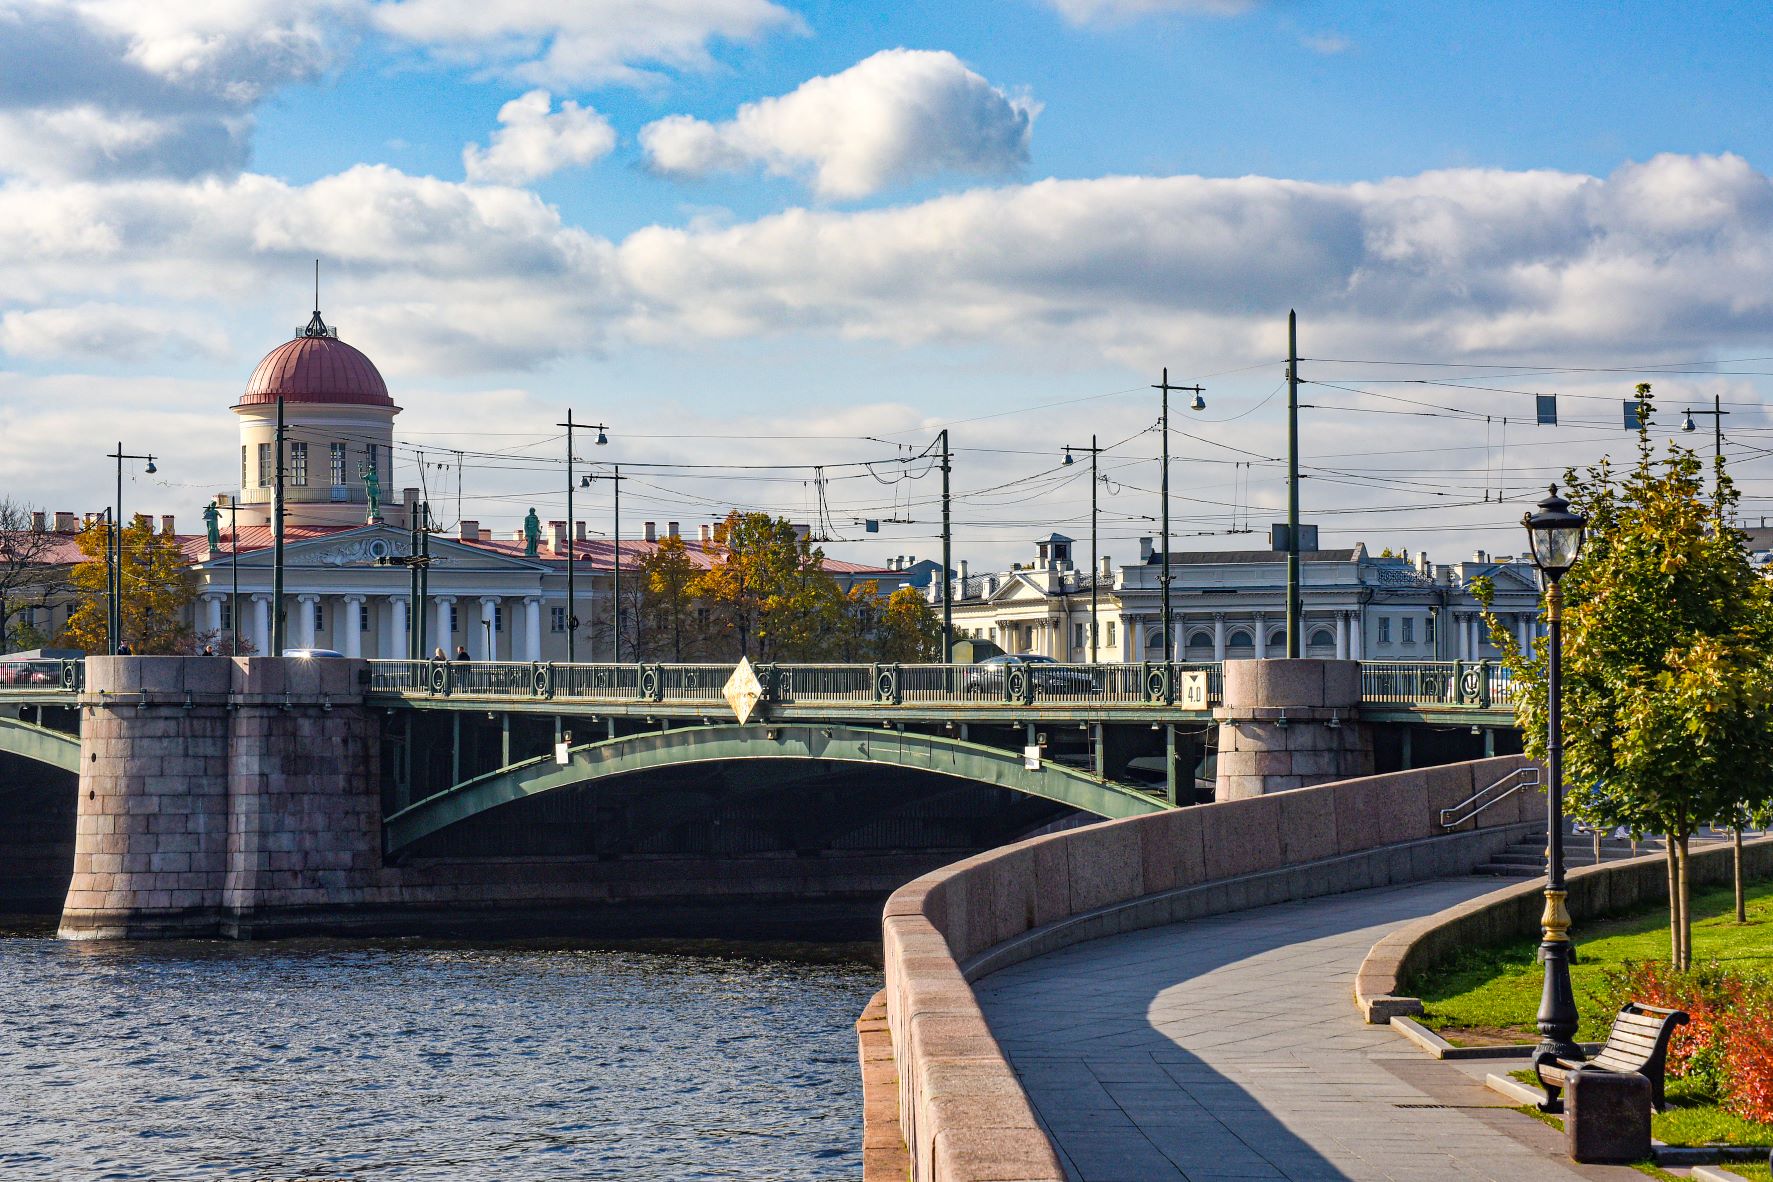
{"points": [[158, 588]]}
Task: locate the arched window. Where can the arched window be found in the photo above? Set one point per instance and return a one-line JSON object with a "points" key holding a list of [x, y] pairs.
{"points": [[1154, 645], [1322, 641], [1240, 643], [1200, 646], [1277, 641]]}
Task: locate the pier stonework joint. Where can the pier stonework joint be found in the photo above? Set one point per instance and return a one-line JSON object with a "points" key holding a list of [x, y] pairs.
{"points": [[1289, 724]]}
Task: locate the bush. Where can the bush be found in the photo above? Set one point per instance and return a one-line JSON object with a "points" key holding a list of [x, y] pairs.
{"points": [[1727, 1047]]}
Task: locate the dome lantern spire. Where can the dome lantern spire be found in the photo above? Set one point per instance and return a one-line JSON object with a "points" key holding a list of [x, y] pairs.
{"points": [[316, 326]]}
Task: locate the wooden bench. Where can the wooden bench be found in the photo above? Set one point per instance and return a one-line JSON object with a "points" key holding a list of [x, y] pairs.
{"points": [[1637, 1043]]}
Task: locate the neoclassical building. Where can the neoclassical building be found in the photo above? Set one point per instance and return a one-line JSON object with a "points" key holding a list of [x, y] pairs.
{"points": [[1233, 604]]}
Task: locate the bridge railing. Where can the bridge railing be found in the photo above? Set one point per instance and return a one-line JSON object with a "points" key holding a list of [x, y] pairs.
{"points": [[1410, 685]]}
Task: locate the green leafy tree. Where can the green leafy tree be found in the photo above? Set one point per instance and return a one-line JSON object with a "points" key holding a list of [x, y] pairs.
{"points": [[900, 628], [1668, 665], [667, 607], [158, 588], [768, 594]]}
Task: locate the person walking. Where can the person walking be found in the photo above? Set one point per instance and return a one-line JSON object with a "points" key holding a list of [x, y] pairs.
{"points": [[461, 653]]}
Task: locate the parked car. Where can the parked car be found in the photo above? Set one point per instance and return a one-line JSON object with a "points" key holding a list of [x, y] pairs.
{"points": [[30, 673], [1046, 675], [311, 652]]}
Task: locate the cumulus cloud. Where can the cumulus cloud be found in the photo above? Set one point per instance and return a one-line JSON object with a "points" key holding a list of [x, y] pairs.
{"points": [[108, 87], [87, 333], [1670, 256], [550, 43], [532, 142], [899, 115], [1083, 12]]}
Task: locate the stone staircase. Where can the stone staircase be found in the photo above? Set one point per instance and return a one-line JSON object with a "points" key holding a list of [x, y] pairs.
{"points": [[1526, 857]]}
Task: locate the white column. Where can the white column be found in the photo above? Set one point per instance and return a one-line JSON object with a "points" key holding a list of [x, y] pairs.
{"points": [[1357, 643], [1133, 629], [212, 613], [1341, 636], [394, 640], [261, 624], [532, 628], [1476, 623], [1524, 629], [1461, 637], [445, 639], [484, 635], [1218, 636], [353, 626], [1261, 637], [305, 619]]}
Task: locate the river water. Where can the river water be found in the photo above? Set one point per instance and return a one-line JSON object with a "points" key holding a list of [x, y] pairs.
{"points": [[421, 1060]]}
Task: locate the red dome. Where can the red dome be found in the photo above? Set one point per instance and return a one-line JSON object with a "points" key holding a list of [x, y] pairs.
{"points": [[316, 369]]}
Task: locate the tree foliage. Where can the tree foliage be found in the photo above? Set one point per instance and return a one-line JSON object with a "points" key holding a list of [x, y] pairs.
{"points": [[1667, 658], [767, 594], [667, 609], [28, 580], [158, 588]]}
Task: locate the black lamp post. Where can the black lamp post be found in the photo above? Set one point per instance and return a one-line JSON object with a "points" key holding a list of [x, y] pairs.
{"points": [[1556, 535]]}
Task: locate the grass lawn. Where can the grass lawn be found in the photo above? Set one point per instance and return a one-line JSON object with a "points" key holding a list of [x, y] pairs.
{"points": [[1758, 1173], [1492, 994]]}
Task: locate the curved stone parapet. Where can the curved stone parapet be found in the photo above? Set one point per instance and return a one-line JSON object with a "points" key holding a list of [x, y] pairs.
{"points": [[964, 1113]]}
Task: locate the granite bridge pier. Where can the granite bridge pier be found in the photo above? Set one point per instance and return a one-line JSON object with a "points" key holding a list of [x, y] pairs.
{"points": [[170, 796]]}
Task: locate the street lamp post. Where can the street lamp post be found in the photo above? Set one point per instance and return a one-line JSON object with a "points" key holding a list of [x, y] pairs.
{"points": [[1198, 403], [1094, 560], [1556, 535], [1716, 413], [572, 538], [115, 620]]}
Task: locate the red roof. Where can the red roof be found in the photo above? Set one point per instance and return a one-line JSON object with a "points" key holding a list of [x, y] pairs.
{"points": [[316, 369]]}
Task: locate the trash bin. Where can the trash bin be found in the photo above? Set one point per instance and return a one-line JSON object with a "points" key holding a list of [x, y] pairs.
{"points": [[1607, 1116]]}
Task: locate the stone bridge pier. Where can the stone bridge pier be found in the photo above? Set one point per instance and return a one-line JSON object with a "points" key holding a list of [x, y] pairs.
{"points": [[217, 792], [1290, 724]]}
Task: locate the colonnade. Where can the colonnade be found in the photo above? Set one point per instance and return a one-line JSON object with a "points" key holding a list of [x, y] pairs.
{"points": [[488, 633]]}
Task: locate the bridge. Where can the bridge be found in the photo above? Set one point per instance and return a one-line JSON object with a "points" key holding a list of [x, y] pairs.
{"points": [[854, 771]]}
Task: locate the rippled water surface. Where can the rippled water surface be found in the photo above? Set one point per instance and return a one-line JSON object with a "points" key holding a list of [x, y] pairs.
{"points": [[323, 1060]]}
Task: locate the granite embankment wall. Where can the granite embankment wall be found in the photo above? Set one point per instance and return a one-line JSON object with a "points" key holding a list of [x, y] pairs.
{"points": [[1513, 912], [964, 1114]]}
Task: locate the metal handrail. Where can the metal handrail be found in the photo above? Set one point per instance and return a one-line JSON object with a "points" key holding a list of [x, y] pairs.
{"points": [[1528, 775]]}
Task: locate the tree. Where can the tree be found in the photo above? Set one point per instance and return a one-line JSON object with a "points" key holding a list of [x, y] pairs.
{"points": [[768, 594], [1668, 660], [158, 588], [667, 609], [29, 576], [902, 628]]}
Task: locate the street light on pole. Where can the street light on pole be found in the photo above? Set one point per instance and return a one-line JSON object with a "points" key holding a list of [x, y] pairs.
{"points": [[572, 538], [1095, 561], [1717, 413], [1556, 535], [115, 619], [1198, 402]]}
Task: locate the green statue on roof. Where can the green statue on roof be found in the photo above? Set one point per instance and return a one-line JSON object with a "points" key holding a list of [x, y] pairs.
{"points": [[372, 492], [532, 533], [212, 521]]}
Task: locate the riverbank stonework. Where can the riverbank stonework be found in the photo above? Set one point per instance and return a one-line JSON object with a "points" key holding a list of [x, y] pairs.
{"points": [[965, 1115]]}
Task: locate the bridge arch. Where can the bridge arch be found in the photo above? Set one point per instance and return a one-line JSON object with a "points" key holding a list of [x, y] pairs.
{"points": [[58, 749], [936, 754]]}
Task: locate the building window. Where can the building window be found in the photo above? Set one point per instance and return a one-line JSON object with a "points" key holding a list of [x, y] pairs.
{"points": [[498, 617], [1384, 629], [1082, 634], [243, 476], [298, 464], [227, 616], [1409, 630], [1428, 630], [557, 619], [264, 465], [1109, 628], [338, 465], [363, 619], [319, 617], [455, 621], [1240, 642], [374, 464]]}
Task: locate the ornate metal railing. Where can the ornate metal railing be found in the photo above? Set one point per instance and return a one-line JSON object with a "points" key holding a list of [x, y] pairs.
{"points": [[1478, 684]]}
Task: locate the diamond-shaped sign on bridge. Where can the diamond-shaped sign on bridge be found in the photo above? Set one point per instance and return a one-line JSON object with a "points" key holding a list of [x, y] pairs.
{"points": [[743, 691]]}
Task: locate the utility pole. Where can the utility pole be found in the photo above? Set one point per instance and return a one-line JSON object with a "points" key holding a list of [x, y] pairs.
{"points": [[114, 620], [1199, 403], [947, 557], [1717, 413], [277, 541], [234, 574], [615, 566], [572, 535], [1294, 608], [1095, 559], [420, 624], [415, 607]]}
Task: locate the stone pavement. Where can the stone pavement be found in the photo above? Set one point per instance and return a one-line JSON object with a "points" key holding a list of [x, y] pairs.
{"points": [[1230, 1048]]}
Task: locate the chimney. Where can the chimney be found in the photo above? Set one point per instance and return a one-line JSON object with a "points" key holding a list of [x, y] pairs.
{"points": [[578, 531], [652, 531], [1480, 556], [470, 531], [39, 521], [486, 534], [166, 525], [963, 571], [223, 500], [1106, 567], [910, 560], [1145, 550], [671, 530], [706, 534], [557, 536]]}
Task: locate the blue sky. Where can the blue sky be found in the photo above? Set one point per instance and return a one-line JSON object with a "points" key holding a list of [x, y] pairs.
{"points": [[727, 226]]}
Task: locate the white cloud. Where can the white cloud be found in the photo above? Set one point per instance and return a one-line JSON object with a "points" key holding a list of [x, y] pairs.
{"points": [[551, 43], [1328, 44], [1083, 12], [90, 332], [532, 142], [899, 115]]}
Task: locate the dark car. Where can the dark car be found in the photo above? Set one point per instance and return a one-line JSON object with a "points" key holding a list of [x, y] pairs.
{"points": [[1046, 675]]}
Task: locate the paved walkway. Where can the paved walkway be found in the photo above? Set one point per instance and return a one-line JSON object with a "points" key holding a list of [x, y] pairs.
{"points": [[1230, 1048]]}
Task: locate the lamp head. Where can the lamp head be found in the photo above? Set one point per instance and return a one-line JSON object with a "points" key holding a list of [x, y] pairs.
{"points": [[602, 438], [584, 482], [1687, 421], [1069, 460], [1556, 535], [1198, 403], [151, 469]]}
